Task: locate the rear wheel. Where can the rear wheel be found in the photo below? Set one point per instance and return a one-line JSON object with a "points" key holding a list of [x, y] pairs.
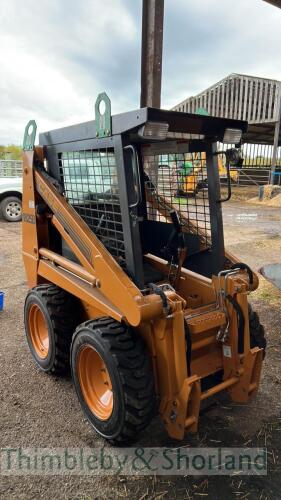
{"points": [[11, 209], [50, 317], [113, 378], [257, 333]]}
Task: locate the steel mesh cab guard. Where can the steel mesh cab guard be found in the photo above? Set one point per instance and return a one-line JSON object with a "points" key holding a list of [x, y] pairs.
{"points": [[124, 214]]}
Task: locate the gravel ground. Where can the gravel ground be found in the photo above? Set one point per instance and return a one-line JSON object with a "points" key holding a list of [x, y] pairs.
{"points": [[41, 411]]}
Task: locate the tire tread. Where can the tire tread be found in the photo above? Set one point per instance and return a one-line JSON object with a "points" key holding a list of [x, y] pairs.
{"points": [[136, 375], [60, 306]]}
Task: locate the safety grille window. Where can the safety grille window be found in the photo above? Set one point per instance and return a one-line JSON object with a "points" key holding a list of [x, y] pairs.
{"points": [[178, 181], [91, 187]]}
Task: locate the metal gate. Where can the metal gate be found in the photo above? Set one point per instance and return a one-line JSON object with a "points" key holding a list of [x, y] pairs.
{"points": [[257, 163]]}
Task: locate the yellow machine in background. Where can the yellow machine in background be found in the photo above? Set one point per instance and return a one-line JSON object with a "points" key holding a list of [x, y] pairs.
{"points": [[191, 175]]}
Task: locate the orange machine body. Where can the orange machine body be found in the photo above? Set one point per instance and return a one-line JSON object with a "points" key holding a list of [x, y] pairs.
{"points": [[196, 307]]}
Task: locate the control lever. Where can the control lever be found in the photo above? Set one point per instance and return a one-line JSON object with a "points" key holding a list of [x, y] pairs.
{"points": [[178, 227], [182, 250]]}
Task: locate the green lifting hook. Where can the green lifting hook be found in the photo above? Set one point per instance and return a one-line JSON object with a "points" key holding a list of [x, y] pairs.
{"points": [[103, 119], [29, 136]]}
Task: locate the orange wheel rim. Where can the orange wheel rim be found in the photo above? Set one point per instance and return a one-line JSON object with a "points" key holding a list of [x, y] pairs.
{"points": [[38, 331], [95, 382]]}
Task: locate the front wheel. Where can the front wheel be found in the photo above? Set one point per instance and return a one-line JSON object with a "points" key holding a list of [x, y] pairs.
{"points": [[113, 378], [11, 209]]}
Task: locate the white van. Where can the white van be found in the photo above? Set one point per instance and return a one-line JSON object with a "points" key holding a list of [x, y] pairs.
{"points": [[10, 190]]}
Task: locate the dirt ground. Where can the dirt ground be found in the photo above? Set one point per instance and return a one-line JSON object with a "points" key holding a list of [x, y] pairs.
{"points": [[41, 411]]}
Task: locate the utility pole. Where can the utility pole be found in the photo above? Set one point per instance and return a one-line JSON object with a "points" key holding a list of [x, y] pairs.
{"points": [[277, 3], [276, 141], [151, 55]]}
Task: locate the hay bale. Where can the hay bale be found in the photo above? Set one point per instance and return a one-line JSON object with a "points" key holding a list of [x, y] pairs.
{"points": [[275, 201], [269, 195], [269, 191]]}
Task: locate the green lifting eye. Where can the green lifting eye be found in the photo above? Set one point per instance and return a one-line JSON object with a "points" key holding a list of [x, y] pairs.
{"points": [[29, 136], [103, 115]]}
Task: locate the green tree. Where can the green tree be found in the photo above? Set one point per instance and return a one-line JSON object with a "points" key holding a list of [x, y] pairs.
{"points": [[12, 151]]}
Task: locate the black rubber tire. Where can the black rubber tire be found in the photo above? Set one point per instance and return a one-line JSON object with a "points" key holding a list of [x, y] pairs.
{"points": [[127, 361], [3, 209], [61, 313], [257, 333]]}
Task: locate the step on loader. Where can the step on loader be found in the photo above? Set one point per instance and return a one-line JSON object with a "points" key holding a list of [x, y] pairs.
{"points": [[131, 287]]}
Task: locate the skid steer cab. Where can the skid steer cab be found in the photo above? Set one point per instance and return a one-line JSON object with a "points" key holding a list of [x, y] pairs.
{"points": [[130, 286]]}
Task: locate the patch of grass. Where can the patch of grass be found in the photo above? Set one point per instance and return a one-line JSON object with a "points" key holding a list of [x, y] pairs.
{"points": [[179, 201], [267, 292]]}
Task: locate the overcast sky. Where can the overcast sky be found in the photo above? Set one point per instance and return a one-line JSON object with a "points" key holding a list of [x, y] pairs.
{"points": [[57, 55]]}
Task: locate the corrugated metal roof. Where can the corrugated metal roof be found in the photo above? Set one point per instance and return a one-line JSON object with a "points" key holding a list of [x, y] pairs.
{"points": [[241, 97]]}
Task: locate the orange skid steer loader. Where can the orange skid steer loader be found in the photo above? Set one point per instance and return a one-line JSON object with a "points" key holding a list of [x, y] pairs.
{"points": [[131, 288]]}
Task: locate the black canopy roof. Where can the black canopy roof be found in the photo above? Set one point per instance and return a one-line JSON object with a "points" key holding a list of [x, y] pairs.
{"points": [[210, 127]]}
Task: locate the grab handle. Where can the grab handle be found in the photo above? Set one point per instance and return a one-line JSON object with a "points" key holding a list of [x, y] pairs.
{"points": [[136, 175], [228, 196]]}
